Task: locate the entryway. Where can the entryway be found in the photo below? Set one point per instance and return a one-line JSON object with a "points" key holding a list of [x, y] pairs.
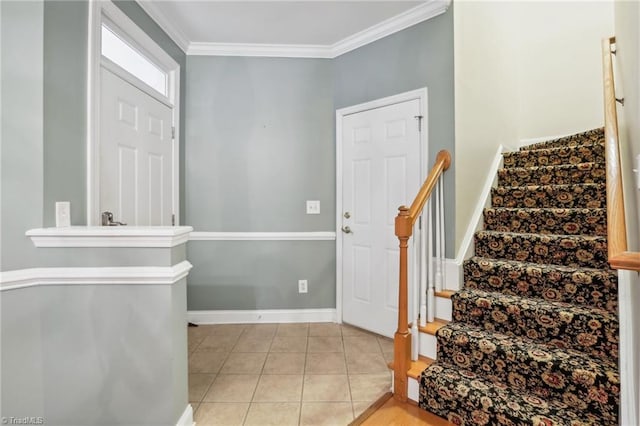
{"points": [[382, 151]]}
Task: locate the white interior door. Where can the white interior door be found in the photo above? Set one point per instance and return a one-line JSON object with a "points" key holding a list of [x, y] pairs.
{"points": [[136, 154], [381, 171]]}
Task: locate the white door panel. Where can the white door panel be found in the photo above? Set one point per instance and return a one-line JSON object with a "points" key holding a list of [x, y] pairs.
{"points": [[136, 154], [381, 170]]}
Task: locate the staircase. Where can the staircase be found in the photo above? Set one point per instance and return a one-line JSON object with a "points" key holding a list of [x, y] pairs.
{"points": [[534, 336]]}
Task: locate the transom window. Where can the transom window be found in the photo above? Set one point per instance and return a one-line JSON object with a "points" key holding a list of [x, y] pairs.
{"points": [[131, 60]]}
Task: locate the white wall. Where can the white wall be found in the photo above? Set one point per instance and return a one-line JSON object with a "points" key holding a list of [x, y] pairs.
{"points": [[524, 70], [560, 66], [486, 93]]}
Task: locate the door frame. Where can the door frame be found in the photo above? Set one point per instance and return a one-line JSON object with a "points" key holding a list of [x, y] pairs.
{"points": [[422, 96], [105, 11]]}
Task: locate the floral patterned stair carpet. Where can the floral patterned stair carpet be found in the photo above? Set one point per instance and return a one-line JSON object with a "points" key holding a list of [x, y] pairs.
{"points": [[534, 336]]}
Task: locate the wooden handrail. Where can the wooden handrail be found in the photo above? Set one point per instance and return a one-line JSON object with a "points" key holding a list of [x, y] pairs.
{"points": [[619, 257], [405, 220]]}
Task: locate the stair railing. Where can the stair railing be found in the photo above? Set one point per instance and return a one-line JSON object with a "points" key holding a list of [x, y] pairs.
{"points": [[404, 224], [619, 256]]}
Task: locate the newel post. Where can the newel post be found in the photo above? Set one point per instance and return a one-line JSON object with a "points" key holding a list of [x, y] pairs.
{"points": [[402, 337]]}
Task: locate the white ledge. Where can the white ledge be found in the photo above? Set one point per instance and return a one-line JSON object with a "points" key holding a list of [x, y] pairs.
{"points": [[121, 275], [262, 236], [110, 236]]}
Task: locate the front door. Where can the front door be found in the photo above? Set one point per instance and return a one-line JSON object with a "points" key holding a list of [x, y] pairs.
{"points": [[136, 154], [381, 171]]}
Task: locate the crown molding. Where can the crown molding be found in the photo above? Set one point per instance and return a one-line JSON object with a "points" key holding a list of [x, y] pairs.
{"points": [[178, 37], [397, 23], [420, 13], [260, 50]]}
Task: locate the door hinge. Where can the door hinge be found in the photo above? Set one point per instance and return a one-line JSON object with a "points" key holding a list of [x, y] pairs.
{"points": [[420, 222], [173, 132], [173, 220], [419, 118]]}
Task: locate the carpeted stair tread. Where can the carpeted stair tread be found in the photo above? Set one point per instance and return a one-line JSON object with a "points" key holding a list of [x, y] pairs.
{"points": [[565, 174], [567, 250], [526, 365], [597, 288], [534, 334], [466, 398], [553, 156], [582, 138], [547, 221], [588, 195], [589, 330]]}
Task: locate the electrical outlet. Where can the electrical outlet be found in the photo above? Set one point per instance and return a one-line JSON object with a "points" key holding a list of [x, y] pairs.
{"points": [[302, 286]]}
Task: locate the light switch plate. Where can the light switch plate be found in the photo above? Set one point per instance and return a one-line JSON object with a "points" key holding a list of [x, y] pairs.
{"points": [[63, 214], [313, 206]]}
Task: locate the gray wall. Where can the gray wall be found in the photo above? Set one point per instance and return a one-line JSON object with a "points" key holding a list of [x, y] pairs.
{"points": [[261, 141], [420, 56], [21, 176], [261, 274], [95, 354], [44, 65], [65, 102], [65, 108], [73, 354]]}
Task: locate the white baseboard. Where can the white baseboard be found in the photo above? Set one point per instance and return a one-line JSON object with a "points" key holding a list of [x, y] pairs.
{"points": [[466, 249], [186, 419], [531, 141], [262, 316]]}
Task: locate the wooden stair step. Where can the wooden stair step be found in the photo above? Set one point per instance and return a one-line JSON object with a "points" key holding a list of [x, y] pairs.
{"points": [[417, 367], [446, 294], [434, 326]]}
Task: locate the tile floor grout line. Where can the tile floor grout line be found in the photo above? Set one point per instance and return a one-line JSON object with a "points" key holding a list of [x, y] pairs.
{"points": [[348, 373]]}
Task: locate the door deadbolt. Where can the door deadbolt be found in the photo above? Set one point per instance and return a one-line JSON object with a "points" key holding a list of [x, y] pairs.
{"points": [[347, 215]]}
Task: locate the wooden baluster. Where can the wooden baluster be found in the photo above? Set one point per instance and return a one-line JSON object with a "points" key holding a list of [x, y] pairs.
{"points": [[402, 337]]}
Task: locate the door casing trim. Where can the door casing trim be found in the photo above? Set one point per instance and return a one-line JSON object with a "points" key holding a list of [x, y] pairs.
{"points": [[419, 94], [98, 9]]}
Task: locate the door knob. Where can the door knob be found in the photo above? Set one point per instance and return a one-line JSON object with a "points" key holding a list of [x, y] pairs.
{"points": [[107, 220], [346, 230]]}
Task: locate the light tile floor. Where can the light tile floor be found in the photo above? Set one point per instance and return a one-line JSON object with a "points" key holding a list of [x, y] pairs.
{"points": [[285, 374]]}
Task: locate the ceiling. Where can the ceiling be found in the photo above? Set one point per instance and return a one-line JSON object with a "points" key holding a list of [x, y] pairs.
{"points": [[198, 26]]}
